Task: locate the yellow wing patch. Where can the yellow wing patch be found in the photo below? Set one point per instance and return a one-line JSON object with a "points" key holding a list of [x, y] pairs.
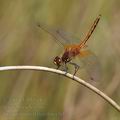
{"points": [[85, 53]]}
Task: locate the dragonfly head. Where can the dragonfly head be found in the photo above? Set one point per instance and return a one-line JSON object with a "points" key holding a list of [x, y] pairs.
{"points": [[57, 61]]}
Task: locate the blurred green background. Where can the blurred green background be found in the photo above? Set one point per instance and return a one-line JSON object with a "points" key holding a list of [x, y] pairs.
{"points": [[31, 95]]}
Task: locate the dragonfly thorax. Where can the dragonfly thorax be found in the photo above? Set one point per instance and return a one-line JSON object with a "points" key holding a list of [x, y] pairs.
{"points": [[66, 57]]}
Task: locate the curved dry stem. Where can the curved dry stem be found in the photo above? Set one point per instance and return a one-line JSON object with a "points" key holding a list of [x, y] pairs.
{"points": [[84, 83]]}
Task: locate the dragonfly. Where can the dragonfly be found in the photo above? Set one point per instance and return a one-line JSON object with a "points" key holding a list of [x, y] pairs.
{"points": [[71, 50]]}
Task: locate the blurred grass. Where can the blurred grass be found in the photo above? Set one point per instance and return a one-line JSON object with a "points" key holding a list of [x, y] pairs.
{"points": [[42, 96]]}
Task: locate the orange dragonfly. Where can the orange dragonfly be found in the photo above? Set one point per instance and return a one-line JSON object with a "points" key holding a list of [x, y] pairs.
{"points": [[73, 50]]}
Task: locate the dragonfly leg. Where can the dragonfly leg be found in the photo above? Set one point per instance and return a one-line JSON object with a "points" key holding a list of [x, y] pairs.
{"points": [[58, 67], [65, 68], [76, 67]]}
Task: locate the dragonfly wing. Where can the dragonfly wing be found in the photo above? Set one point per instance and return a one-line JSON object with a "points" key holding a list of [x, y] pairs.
{"points": [[57, 34], [90, 63], [68, 36], [85, 53]]}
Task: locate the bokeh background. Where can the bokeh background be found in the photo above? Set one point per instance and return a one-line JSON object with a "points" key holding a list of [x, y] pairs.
{"points": [[31, 95]]}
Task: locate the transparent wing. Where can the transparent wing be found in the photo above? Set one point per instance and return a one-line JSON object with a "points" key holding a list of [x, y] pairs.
{"points": [[91, 64], [60, 36], [67, 36]]}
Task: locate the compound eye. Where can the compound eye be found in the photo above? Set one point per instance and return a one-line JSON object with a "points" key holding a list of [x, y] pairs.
{"points": [[57, 61]]}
